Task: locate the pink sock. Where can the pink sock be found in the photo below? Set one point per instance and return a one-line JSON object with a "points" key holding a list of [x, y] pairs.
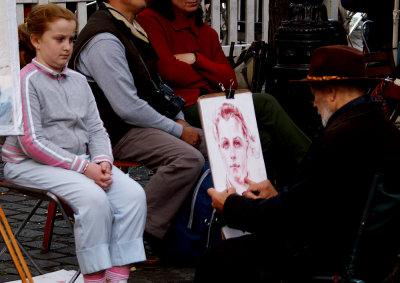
{"points": [[96, 278], [116, 274]]}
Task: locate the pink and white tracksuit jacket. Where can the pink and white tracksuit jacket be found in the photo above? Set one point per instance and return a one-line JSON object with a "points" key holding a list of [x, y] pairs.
{"points": [[59, 124]]}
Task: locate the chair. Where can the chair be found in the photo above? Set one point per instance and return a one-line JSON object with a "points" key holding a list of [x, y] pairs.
{"points": [[250, 66], [380, 64], [125, 164], [381, 209], [40, 195]]}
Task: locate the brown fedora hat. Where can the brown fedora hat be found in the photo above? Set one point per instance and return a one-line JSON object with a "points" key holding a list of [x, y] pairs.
{"points": [[337, 63]]}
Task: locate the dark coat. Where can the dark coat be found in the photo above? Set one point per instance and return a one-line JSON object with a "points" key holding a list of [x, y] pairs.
{"points": [[316, 219]]}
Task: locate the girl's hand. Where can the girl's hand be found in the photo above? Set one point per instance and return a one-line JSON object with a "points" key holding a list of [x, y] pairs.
{"points": [[95, 172], [106, 169]]}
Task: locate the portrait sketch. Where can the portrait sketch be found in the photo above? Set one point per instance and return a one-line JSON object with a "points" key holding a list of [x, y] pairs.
{"points": [[10, 99], [233, 142]]}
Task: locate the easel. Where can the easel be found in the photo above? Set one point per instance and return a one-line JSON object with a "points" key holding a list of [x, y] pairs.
{"points": [[13, 249]]}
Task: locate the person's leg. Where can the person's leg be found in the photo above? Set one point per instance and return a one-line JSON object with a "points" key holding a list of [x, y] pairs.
{"points": [[283, 143], [128, 203], [93, 214], [177, 166], [192, 116]]}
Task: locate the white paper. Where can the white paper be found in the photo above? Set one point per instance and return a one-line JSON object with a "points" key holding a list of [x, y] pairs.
{"points": [[60, 276]]}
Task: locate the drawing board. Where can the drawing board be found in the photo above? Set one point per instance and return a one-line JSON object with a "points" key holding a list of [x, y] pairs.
{"points": [[232, 139], [233, 143]]}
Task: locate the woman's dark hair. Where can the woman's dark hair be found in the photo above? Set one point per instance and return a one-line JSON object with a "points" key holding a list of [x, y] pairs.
{"points": [[164, 7]]}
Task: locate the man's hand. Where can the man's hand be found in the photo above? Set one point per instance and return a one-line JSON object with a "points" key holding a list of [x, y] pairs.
{"points": [[181, 122], [219, 198], [189, 134], [100, 174], [263, 189], [188, 58]]}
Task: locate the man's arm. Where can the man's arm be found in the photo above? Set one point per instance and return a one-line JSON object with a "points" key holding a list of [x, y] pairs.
{"points": [[248, 214], [103, 59]]}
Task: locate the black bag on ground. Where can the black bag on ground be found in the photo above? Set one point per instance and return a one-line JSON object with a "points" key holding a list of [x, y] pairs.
{"points": [[194, 228]]}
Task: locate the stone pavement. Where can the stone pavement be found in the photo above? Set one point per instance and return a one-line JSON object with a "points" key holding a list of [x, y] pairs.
{"points": [[62, 252]]}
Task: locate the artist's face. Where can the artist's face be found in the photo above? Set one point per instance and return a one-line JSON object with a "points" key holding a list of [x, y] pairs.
{"points": [[233, 148], [54, 47], [321, 102], [186, 6]]}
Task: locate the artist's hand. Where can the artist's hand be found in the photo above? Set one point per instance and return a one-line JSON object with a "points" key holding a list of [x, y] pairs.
{"points": [[188, 58], [262, 189], [96, 173], [189, 134], [219, 198]]}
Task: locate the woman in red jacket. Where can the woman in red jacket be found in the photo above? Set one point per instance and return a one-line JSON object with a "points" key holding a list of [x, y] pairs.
{"points": [[193, 63]]}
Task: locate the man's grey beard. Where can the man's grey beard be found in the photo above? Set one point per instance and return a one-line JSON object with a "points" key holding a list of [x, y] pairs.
{"points": [[325, 114]]}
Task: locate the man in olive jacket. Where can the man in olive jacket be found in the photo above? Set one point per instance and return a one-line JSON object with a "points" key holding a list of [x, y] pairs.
{"points": [[310, 227]]}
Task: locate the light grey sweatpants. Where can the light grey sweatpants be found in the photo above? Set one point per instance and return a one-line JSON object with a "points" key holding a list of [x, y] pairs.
{"points": [[108, 225]]}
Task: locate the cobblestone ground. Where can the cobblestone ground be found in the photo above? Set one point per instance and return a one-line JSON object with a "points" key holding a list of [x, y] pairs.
{"points": [[62, 252]]}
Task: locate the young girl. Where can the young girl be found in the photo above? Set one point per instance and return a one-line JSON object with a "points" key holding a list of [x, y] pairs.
{"points": [[62, 125]]}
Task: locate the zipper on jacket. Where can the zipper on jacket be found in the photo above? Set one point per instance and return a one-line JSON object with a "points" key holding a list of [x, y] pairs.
{"points": [[69, 106]]}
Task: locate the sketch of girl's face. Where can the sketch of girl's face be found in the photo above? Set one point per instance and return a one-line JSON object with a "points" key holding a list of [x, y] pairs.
{"points": [[233, 148]]}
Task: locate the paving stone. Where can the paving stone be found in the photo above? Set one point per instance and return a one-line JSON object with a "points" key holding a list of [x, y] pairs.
{"points": [[4, 257], [31, 233], [46, 264], [34, 219], [50, 255], [38, 245], [8, 277], [71, 260], [14, 198], [61, 231], [9, 205]]}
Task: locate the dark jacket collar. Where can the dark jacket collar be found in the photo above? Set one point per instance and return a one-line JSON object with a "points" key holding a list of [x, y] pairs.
{"points": [[359, 106], [134, 27]]}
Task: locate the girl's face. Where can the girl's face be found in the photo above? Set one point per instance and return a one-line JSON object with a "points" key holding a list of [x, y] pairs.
{"points": [[54, 47], [186, 6]]}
